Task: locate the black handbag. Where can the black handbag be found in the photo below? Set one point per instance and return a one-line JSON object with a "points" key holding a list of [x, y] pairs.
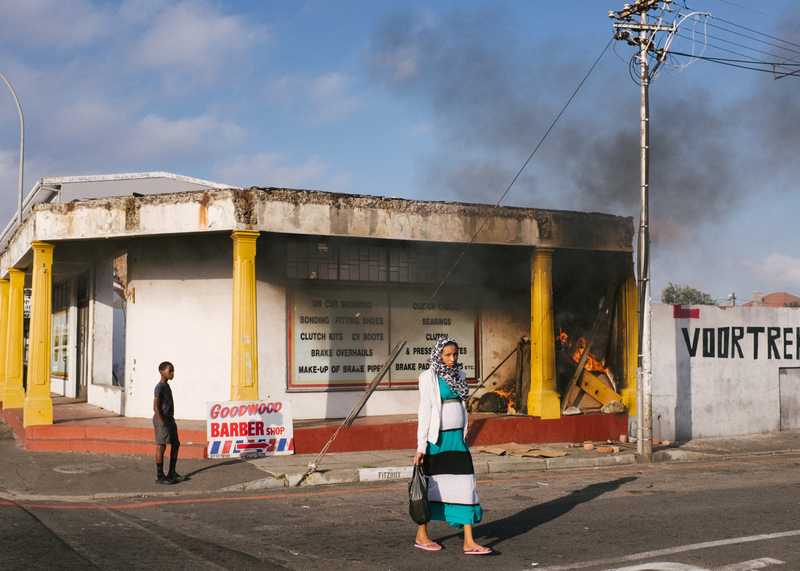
{"points": [[418, 507]]}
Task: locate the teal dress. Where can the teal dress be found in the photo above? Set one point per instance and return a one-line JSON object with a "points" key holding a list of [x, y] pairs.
{"points": [[452, 489]]}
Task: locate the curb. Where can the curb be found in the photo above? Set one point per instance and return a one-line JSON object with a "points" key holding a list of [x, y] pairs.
{"points": [[402, 473], [681, 456]]}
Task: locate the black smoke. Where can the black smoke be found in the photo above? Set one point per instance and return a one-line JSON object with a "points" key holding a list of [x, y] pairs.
{"points": [[492, 96]]}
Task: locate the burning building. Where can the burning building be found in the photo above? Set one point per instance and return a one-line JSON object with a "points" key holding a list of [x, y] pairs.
{"points": [[269, 293]]}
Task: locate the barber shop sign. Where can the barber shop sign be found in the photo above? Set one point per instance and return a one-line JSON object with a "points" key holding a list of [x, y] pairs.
{"points": [[249, 428]]}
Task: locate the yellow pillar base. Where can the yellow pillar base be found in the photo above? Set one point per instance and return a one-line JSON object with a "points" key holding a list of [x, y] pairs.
{"points": [[13, 397], [544, 404], [629, 400], [38, 412]]}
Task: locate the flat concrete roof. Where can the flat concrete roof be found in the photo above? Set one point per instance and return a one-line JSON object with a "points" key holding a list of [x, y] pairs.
{"points": [[309, 212]]}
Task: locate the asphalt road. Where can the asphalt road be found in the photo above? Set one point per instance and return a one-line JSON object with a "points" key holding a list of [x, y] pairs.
{"points": [[733, 515]]}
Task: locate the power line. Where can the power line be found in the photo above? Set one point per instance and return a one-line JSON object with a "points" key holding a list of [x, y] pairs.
{"points": [[716, 47], [757, 32], [712, 25], [758, 12], [739, 63]]}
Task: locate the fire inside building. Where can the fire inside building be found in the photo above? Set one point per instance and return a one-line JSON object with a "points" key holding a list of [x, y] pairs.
{"points": [[271, 293]]}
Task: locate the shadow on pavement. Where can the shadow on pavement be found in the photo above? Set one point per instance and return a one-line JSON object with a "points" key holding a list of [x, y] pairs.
{"points": [[530, 518], [203, 469]]}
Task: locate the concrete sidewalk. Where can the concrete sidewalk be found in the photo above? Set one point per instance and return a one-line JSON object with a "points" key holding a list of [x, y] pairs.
{"points": [[77, 477]]}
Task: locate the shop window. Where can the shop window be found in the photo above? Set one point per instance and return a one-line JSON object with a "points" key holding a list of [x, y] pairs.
{"points": [[344, 261], [59, 343]]}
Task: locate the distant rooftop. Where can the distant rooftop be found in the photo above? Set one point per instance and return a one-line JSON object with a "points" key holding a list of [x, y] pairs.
{"points": [[70, 188], [780, 299]]}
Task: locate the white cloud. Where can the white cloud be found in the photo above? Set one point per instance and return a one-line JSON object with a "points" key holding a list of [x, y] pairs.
{"points": [[198, 138], [270, 169], [419, 130], [321, 100], [329, 99], [85, 119], [777, 272], [41, 24], [194, 37]]}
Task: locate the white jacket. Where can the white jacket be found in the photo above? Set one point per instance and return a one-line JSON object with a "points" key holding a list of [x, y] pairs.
{"points": [[430, 409]]}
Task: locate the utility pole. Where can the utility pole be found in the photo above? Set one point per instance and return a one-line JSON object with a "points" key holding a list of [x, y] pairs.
{"points": [[646, 45]]}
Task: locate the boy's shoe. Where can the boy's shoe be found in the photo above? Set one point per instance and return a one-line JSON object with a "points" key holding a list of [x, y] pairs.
{"points": [[175, 476], [165, 480]]}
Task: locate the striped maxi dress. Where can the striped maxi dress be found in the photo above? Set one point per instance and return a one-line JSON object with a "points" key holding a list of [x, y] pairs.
{"points": [[452, 490]]}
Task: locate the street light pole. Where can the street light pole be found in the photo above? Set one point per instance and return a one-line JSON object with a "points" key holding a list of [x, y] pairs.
{"points": [[21, 150]]}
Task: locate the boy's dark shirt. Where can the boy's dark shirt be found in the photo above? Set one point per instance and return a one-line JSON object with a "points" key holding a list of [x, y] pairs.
{"points": [[164, 391]]}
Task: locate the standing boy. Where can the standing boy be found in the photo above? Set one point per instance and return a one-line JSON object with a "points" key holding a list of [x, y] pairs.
{"points": [[164, 424]]}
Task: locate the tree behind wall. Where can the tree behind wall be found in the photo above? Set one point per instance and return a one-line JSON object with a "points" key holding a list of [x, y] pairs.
{"points": [[684, 295]]}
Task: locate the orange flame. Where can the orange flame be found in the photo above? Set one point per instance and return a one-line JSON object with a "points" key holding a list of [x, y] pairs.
{"points": [[507, 394], [592, 363]]}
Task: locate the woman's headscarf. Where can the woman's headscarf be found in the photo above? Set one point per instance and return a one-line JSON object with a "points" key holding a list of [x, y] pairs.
{"points": [[449, 374]]}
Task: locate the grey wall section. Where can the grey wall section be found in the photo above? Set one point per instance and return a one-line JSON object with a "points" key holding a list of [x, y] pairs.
{"points": [[716, 371]]}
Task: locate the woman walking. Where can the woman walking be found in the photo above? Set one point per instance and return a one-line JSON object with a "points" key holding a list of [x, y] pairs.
{"points": [[441, 448]]}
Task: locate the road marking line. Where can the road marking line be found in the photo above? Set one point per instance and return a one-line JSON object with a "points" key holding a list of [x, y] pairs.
{"points": [[750, 565], [660, 567], [674, 550], [743, 566]]}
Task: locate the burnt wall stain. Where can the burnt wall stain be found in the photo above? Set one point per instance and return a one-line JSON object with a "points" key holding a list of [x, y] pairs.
{"points": [[244, 204], [545, 223], [131, 214]]}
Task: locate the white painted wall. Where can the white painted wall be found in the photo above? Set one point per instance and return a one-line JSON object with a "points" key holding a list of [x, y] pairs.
{"points": [[708, 395], [182, 314]]}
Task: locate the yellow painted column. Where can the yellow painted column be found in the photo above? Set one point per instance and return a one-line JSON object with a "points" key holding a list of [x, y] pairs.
{"points": [[244, 353], [4, 287], [14, 393], [38, 404], [543, 400], [630, 341]]}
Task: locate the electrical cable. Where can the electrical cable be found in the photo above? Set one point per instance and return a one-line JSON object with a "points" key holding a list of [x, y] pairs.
{"points": [[716, 47], [712, 25], [744, 46], [762, 13], [735, 63]]}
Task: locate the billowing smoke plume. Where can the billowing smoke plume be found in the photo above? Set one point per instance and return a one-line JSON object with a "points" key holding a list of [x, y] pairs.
{"points": [[492, 99]]}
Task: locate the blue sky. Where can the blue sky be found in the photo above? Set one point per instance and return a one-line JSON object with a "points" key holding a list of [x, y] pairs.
{"points": [[424, 100]]}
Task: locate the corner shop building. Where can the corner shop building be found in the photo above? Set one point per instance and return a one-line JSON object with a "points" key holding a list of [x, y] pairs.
{"points": [[270, 293]]}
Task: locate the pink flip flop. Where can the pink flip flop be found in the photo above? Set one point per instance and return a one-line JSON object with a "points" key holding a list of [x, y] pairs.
{"points": [[432, 546], [478, 551]]}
